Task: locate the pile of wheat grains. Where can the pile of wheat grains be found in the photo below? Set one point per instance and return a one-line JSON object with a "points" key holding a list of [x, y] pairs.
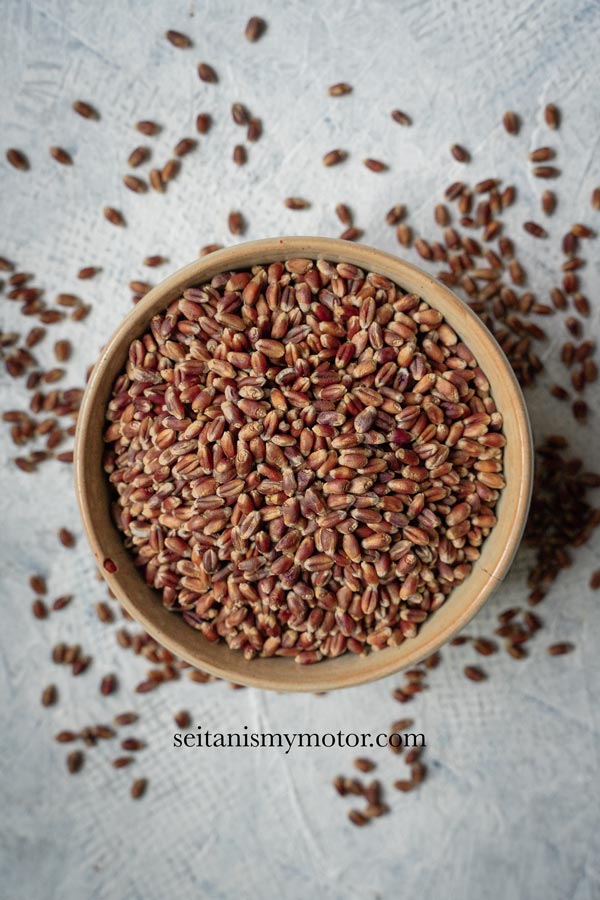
{"points": [[472, 252], [306, 459]]}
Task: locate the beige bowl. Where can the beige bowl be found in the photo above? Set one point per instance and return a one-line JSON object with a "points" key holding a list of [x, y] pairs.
{"points": [[278, 673]]}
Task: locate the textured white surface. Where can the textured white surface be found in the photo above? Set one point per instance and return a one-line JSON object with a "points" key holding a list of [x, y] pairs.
{"points": [[511, 807]]}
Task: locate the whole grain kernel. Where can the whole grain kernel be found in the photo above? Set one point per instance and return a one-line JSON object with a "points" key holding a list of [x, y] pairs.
{"points": [[455, 190], [546, 171], [49, 695], [113, 216], [254, 130], [575, 262], [405, 785], [235, 223], [156, 180], [511, 122], [108, 684], [66, 537], [203, 123], [560, 649], [37, 584], [103, 732], [240, 114], [206, 73], [68, 300], [182, 718], [581, 231], [296, 203], [534, 229], [120, 762], [80, 666], [170, 170], [354, 786], [104, 612], [595, 580], [85, 110], [185, 146], [569, 244], [474, 673], [17, 159], [363, 764], [239, 155], [548, 202], [334, 157], [344, 214], [87, 272], [75, 761], [255, 28], [357, 818], [375, 165], [39, 609], [147, 127], [138, 156], [61, 156], [541, 154], [395, 214], [339, 89], [145, 686], [140, 287], [423, 249], [125, 718], [351, 234], [58, 653], [595, 198], [404, 234], [155, 260], [138, 788], [441, 215], [552, 116], [178, 39], [459, 153], [132, 745], [135, 184], [339, 783], [401, 118]]}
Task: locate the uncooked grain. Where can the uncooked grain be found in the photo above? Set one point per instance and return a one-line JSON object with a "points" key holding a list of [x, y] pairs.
{"points": [[334, 157], [340, 89], [255, 28], [177, 39], [17, 159], [511, 122], [317, 517], [61, 156], [85, 110], [206, 73], [296, 203], [401, 118], [113, 216]]}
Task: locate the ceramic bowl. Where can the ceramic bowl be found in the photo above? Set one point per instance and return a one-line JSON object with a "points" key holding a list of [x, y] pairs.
{"points": [[277, 673]]}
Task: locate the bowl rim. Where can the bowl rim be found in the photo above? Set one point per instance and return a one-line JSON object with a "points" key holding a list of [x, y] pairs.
{"points": [[101, 531]]}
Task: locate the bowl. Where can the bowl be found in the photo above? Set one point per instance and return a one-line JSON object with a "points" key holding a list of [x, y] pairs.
{"points": [[277, 673]]}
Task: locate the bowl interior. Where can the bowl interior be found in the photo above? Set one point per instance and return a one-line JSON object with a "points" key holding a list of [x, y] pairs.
{"points": [[143, 603]]}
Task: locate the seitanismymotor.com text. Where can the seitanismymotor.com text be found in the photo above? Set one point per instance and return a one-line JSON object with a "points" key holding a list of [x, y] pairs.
{"points": [[287, 741]]}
